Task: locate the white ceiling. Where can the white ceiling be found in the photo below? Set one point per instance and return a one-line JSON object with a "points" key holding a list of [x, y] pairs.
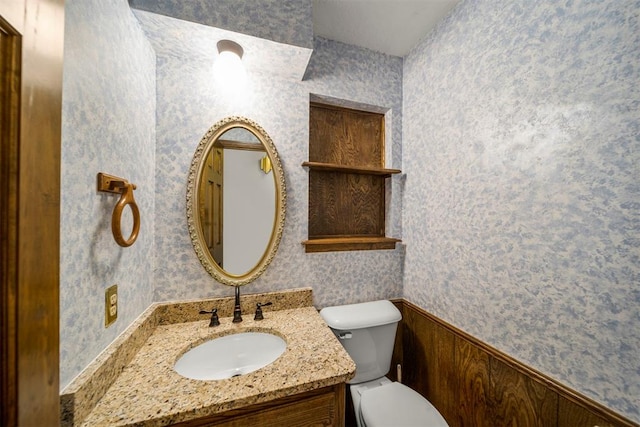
{"points": [[389, 26]]}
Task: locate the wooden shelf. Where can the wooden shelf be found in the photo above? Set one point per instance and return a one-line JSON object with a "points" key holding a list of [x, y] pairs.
{"points": [[329, 244], [347, 180], [365, 170]]}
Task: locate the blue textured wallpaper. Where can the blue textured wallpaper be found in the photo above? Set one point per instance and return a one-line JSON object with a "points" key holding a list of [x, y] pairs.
{"points": [[197, 42], [516, 125], [108, 125], [521, 216], [189, 103], [283, 21], [115, 90]]}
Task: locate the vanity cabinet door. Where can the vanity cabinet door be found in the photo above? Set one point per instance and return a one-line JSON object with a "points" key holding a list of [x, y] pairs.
{"points": [[323, 407]]}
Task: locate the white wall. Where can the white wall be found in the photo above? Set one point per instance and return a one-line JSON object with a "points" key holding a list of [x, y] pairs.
{"points": [[249, 210]]}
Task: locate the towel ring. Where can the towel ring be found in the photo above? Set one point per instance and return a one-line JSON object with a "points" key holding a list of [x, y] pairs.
{"points": [[125, 199], [113, 184]]}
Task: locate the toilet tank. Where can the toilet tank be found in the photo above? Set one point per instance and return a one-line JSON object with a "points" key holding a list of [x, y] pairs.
{"points": [[367, 331]]}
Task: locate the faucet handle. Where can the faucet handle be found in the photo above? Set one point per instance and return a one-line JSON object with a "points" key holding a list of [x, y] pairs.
{"points": [[214, 317], [259, 306]]}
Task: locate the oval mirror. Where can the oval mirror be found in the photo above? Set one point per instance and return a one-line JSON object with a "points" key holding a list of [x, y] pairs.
{"points": [[236, 201]]}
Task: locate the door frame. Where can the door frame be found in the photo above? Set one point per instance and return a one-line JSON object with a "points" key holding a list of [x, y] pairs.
{"points": [[30, 137]]}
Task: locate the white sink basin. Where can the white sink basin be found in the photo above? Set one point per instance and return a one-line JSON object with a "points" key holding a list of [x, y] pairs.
{"points": [[230, 356]]}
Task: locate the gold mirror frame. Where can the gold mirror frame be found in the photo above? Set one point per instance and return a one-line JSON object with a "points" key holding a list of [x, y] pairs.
{"points": [[193, 203]]}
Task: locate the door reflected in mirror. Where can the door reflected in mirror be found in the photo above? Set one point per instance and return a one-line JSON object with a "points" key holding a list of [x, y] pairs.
{"points": [[240, 204]]}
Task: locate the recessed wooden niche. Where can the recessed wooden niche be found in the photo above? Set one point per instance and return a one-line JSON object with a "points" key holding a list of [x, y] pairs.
{"points": [[346, 180]]}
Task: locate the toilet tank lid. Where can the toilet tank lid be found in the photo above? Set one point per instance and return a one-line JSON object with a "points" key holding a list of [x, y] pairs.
{"points": [[362, 315]]}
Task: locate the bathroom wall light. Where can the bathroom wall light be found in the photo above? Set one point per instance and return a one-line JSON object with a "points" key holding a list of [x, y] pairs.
{"points": [[228, 67], [229, 46]]}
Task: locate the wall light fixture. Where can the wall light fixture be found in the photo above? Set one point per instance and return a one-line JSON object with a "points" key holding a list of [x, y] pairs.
{"points": [[228, 67]]}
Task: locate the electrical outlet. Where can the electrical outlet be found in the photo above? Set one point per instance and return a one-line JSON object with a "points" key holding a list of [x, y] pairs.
{"points": [[110, 305]]}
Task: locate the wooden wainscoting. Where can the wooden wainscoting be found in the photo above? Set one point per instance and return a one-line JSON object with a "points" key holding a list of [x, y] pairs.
{"points": [[473, 384]]}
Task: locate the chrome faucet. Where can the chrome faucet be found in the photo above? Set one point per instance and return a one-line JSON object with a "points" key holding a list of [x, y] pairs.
{"points": [[237, 311]]}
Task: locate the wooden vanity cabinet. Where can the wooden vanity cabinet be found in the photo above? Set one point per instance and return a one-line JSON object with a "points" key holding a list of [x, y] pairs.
{"points": [[321, 407], [347, 180]]}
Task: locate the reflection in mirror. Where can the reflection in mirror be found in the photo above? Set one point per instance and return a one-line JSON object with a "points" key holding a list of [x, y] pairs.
{"points": [[237, 222], [240, 203]]}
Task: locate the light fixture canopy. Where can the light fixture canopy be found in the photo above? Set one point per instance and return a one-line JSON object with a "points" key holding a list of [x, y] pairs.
{"points": [[229, 71], [230, 46]]}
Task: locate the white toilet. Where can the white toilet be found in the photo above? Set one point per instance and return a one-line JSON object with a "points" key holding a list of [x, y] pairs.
{"points": [[367, 331]]}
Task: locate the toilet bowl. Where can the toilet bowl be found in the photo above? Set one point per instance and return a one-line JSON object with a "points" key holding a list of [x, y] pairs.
{"points": [[367, 331], [390, 403]]}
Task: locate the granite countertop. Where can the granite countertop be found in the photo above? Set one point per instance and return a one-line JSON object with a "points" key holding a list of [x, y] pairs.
{"points": [[148, 392]]}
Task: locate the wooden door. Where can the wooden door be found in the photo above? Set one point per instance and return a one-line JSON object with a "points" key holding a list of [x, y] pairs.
{"points": [[211, 202], [31, 47]]}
